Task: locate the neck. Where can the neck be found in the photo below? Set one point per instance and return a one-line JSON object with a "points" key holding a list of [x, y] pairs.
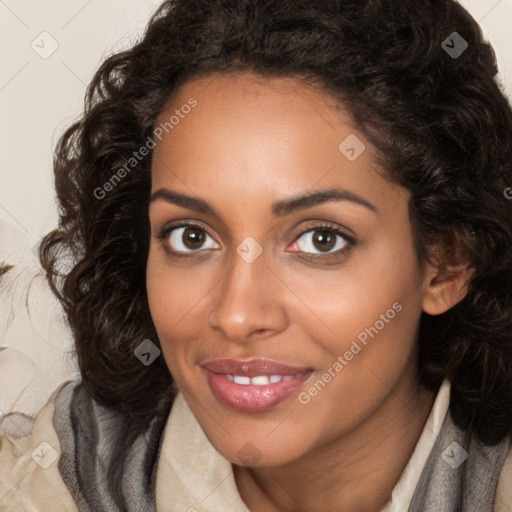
{"points": [[356, 472]]}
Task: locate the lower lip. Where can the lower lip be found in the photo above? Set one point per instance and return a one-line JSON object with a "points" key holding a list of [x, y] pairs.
{"points": [[252, 398]]}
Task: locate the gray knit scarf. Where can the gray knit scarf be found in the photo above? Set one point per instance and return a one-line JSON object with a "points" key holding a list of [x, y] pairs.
{"points": [[461, 473]]}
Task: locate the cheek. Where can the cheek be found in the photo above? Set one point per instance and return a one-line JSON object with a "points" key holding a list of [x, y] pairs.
{"points": [[167, 299], [158, 288], [369, 310], [172, 290], [175, 298]]}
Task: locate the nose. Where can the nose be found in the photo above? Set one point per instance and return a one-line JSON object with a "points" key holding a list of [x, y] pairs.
{"points": [[249, 302]]}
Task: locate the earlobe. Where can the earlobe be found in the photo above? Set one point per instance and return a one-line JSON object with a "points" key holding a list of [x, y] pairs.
{"points": [[446, 288]]}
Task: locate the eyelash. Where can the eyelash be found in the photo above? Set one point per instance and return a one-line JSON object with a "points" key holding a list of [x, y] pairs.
{"points": [[164, 233]]}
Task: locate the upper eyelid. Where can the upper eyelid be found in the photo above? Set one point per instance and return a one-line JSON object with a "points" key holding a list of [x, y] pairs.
{"points": [[166, 230]]}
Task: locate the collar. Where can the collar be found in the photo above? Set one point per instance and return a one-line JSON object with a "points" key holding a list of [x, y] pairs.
{"points": [[192, 475], [404, 489]]}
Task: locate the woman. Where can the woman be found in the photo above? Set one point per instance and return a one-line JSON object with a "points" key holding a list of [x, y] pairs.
{"points": [[292, 280]]}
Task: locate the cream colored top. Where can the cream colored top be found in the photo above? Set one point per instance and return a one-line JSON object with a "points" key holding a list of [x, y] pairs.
{"points": [[191, 475]]}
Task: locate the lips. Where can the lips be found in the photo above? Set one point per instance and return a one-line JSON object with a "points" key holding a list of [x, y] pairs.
{"points": [[252, 367], [254, 385]]}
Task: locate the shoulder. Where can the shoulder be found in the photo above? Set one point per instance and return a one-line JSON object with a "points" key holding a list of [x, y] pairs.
{"points": [[29, 473], [66, 462], [503, 500]]}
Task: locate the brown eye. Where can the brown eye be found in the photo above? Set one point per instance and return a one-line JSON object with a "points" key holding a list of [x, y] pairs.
{"points": [[321, 240], [189, 238], [193, 238], [324, 240]]}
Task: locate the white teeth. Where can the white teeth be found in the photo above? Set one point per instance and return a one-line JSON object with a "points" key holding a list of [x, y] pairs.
{"points": [[260, 380], [242, 380]]}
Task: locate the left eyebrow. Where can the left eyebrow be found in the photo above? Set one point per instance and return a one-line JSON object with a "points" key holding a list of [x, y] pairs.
{"points": [[304, 201], [279, 209]]}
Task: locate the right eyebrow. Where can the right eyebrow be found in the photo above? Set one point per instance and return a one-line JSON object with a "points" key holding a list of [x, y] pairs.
{"points": [[192, 203]]}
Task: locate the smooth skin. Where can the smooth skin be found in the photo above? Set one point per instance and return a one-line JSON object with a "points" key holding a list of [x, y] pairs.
{"points": [[251, 142]]}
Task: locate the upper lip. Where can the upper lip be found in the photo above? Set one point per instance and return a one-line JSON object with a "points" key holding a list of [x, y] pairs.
{"points": [[251, 367]]}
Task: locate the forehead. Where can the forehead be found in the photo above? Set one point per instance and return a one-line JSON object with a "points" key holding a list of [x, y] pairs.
{"points": [[249, 136]]}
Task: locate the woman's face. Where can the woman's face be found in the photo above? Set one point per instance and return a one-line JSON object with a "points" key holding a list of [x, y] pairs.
{"points": [[331, 288]]}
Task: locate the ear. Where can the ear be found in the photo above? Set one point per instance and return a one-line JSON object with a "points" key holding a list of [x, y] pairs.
{"points": [[445, 287]]}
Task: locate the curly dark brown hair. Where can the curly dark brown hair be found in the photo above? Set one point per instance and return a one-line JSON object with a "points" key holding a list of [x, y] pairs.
{"points": [[440, 123]]}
